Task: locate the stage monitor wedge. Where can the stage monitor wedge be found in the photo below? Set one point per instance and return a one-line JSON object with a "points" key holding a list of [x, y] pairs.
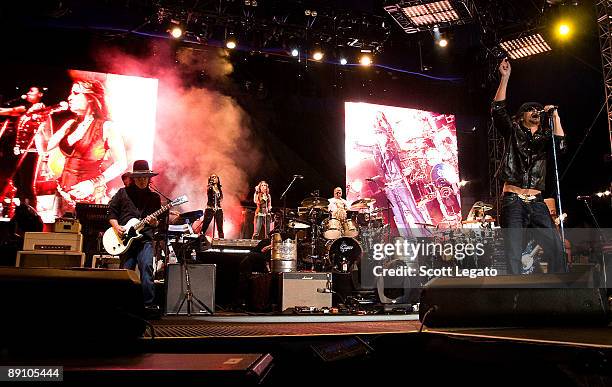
{"points": [[535, 300]]}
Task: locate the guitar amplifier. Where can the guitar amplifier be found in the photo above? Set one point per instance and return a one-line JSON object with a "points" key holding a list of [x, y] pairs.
{"points": [[69, 225], [301, 289], [56, 259], [53, 241]]}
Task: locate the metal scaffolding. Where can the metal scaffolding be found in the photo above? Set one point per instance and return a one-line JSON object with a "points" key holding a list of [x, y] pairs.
{"points": [[604, 22]]}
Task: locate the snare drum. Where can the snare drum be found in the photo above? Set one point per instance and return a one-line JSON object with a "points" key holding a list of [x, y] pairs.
{"points": [[349, 228], [332, 228]]}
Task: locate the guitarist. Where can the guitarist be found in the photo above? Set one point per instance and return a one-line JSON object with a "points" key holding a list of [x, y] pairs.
{"points": [[138, 201]]}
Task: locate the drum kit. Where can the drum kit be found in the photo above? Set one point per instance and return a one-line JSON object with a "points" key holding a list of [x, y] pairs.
{"points": [[327, 243]]}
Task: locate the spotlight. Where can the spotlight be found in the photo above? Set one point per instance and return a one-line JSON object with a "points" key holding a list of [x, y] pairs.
{"points": [[318, 55], [564, 30], [230, 43], [343, 61], [295, 52], [176, 32], [442, 42], [365, 60]]}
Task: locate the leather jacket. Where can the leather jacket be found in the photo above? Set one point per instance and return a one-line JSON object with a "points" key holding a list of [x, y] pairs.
{"points": [[214, 199], [524, 163]]}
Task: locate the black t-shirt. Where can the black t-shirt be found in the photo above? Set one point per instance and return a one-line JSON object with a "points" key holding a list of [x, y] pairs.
{"points": [[133, 202]]}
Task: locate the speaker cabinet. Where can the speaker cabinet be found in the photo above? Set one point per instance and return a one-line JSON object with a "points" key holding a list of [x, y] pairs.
{"points": [[300, 289], [57, 259], [70, 305], [541, 299], [202, 281]]}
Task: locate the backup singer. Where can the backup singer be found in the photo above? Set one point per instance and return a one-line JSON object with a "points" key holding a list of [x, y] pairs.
{"points": [[138, 201], [213, 206], [524, 173], [263, 212], [92, 146]]}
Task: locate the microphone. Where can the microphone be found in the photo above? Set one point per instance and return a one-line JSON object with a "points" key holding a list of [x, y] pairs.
{"points": [[373, 178], [555, 107], [298, 176], [23, 96], [583, 197]]}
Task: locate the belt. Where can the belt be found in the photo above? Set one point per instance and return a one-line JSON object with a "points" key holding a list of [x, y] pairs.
{"points": [[525, 198]]}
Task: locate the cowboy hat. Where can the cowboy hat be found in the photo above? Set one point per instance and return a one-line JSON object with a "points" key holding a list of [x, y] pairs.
{"points": [[141, 169]]}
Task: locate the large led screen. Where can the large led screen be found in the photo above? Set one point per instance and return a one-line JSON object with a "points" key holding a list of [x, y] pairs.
{"points": [[75, 143], [406, 161]]}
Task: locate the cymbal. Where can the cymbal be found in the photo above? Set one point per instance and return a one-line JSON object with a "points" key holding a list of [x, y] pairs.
{"points": [[316, 202], [365, 201], [297, 223]]}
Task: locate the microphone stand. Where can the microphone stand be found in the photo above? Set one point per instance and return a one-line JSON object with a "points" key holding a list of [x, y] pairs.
{"points": [[166, 239], [555, 163], [284, 197]]}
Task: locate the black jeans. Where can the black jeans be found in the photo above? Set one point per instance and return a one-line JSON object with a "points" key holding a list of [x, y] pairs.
{"points": [[208, 216], [519, 215]]}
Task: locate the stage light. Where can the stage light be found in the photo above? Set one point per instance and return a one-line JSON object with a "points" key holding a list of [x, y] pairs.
{"points": [[176, 32], [525, 46], [343, 61], [564, 30], [230, 43], [318, 55], [442, 42], [365, 60], [424, 15], [431, 13], [295, 52]]}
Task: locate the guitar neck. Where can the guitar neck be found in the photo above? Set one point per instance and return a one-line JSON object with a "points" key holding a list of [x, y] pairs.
{"points": [[153, 215]]}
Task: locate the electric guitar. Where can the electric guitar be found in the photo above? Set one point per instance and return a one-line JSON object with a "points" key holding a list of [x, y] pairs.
{"points": [[530, 258], [115, 244]]}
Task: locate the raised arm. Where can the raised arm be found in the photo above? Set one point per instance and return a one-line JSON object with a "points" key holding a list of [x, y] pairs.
{"points": [[501, 118], [504, 71]]}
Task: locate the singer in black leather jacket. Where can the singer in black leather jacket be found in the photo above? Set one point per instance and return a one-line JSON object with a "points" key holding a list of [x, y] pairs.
{"points": [[528, 144], [213, 206], [524, 163]]}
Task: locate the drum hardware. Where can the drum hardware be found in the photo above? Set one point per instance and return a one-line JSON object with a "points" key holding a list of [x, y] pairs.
{"points": [[315, 202], [363, 202], [297, 223]]}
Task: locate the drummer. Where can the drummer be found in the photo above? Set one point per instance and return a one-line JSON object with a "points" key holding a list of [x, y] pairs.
{"points": [[338, 206]]}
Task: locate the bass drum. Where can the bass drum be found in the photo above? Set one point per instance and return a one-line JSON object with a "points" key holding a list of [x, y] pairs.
{"points": [[343, 253]]}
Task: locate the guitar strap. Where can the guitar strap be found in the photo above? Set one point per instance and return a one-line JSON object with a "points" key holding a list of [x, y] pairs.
{"points": [[134, 206]]}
